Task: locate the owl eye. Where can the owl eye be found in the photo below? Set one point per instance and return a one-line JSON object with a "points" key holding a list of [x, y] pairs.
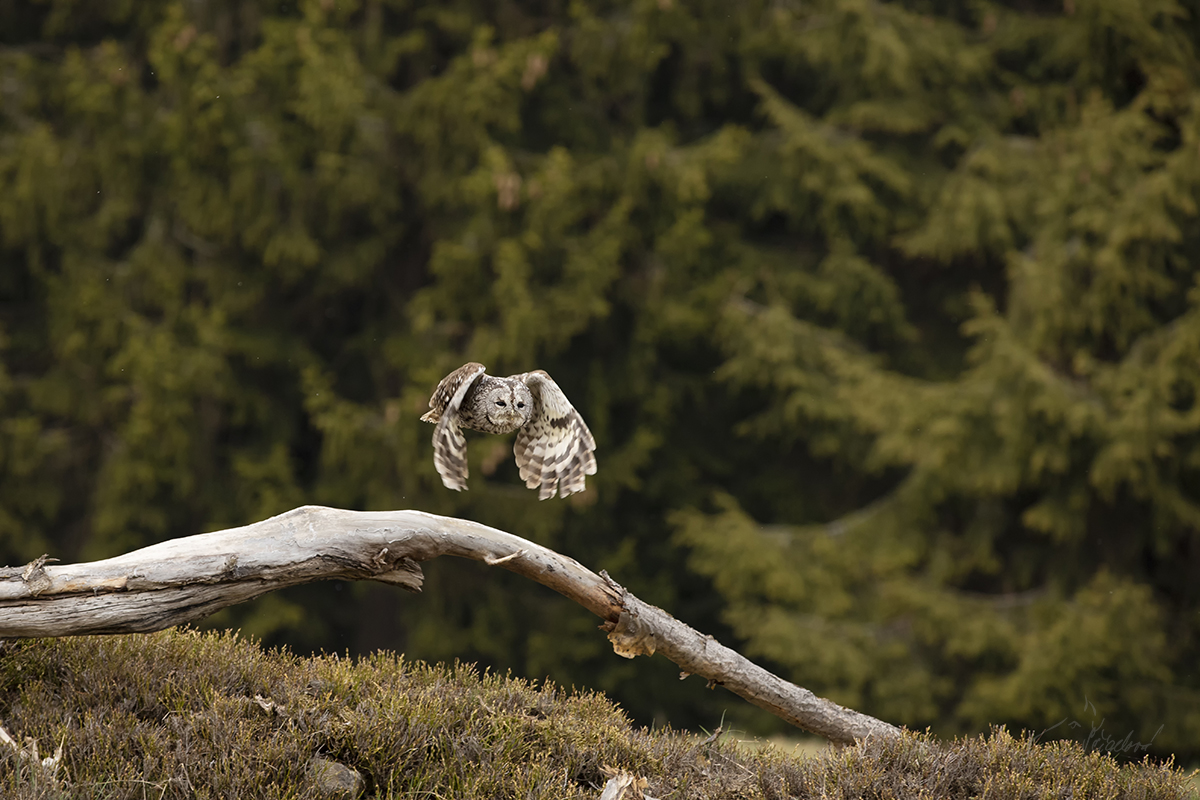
{"points": [[520, 404], [500, 403]]}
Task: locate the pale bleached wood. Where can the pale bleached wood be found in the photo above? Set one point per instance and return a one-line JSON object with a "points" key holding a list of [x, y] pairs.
{"points": [[185, 579]]}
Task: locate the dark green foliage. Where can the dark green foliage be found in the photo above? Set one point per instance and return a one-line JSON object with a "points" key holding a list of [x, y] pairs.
{"points": [[1033, 556], [184, 714], [888, 310]]}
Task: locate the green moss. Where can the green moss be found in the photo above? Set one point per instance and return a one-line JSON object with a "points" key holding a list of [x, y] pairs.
{"points": [[183, 714]]}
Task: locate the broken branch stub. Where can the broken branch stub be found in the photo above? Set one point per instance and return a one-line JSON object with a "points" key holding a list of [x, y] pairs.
{"points": [[184, 579], [46, 767]]}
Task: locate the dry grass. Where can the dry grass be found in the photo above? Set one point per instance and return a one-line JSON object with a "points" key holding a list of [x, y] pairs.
{"points": [[182, 715]]}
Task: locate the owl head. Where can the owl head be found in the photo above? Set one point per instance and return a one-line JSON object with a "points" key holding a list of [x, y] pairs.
{"points": [[509, 405]]}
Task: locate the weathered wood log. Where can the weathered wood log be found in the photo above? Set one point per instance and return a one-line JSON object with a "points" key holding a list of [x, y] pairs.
{"points": [[185, 579]]}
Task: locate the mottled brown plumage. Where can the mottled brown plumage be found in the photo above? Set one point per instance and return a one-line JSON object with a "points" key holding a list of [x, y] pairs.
{"points": [[554, 448]]}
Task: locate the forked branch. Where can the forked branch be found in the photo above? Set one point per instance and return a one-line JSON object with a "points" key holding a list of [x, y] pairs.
{"points": [[185, 579]]}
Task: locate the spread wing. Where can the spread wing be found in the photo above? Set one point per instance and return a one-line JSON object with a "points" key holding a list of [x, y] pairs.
{"points": [[449, 444], [554, 450]]}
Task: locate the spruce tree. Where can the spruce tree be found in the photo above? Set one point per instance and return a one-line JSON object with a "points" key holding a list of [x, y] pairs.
{"points": [[886, 310]]}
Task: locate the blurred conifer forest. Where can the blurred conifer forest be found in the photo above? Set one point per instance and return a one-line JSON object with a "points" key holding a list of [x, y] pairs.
{"points": [[885, 316]]}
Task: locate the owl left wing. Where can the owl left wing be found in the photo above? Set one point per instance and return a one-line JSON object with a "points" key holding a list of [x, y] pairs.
{"points": [[555, 449], [449, 444]]}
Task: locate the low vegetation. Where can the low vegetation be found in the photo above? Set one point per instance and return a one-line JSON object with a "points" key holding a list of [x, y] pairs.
{"points": [[181, 714]]}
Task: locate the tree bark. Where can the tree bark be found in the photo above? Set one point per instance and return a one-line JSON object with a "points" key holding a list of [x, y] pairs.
{"points": [[185, 579]]}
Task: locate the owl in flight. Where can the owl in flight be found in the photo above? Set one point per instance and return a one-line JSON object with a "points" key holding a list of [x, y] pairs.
{"points": [[554, 446]]}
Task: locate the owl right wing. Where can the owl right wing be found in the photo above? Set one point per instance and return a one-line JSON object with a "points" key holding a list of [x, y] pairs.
{"points": [[449, 444], [554, 449]]}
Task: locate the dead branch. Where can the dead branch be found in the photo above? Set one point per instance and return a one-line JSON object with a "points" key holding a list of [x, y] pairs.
{"points": [[185, 579], [46, 767]]}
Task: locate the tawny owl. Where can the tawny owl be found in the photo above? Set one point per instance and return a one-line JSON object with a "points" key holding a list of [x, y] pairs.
{"points": [[554, 446]]}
